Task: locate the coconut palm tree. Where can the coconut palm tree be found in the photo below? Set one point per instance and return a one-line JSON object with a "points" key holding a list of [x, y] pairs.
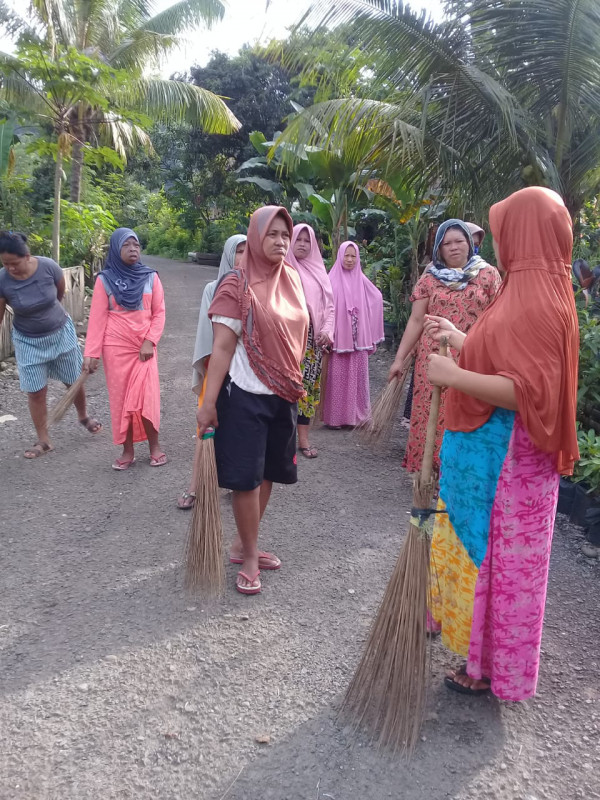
{"points": [[122, 38], [503, 93]]}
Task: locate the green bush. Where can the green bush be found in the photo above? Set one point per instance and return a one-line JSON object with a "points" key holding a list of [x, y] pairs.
{"points": [[215, 234]]}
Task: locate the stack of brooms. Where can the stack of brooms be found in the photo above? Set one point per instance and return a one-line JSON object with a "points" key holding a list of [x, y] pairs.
{"points": [[388, 692]]}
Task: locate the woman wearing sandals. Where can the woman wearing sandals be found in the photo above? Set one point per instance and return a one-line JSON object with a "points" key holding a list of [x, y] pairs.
{"points": [[305, 256], [126, 322], [230, 259], [510, 434], [254, 381], [43, 333]]}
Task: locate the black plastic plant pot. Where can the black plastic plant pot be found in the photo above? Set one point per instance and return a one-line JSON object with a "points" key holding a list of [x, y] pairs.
{"points": [[566, 496], [592, 522], [581, 503]]}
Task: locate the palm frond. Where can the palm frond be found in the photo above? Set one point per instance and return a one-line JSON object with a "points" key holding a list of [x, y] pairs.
{"points": [[170, 101], [557, 69], [361, 129], [122, 136]]}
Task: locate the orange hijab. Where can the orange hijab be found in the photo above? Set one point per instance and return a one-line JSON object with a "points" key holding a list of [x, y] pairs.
{"points": [[530, 332], [270, 302]]}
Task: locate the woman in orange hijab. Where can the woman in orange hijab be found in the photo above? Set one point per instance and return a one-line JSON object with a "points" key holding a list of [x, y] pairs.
{"points": [[510, 433], [254, 382]]}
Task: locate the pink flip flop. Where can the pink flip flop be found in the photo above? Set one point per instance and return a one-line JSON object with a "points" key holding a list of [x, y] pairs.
{"points": [[255, 584], [160, 461], [121, 465], [265, 561]]}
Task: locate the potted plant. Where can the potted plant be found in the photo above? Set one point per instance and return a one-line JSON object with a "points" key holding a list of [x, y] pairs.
{"points": [[586, 476], [575, 494]]}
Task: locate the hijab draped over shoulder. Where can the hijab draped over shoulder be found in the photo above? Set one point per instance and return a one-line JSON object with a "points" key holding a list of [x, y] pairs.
{"points": [[269, 300], [355, 297], [204, 333], [315, 282], [530, 332], [126, 283]]}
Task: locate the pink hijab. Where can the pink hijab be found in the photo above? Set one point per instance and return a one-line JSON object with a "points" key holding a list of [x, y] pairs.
{"points": [[315, 282], [354, 294]]}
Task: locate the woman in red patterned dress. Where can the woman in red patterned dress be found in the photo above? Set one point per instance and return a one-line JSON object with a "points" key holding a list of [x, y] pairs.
{"points": [[457, 285]]}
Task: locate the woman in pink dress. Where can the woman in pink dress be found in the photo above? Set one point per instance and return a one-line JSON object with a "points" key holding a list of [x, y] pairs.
{"points": [[358, 330], [126, 322]]}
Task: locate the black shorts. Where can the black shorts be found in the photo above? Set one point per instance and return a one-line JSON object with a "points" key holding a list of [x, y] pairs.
{"points": [[255, 440]]}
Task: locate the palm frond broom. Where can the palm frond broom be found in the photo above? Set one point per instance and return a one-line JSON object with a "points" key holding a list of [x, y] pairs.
{"points": [[385, 409], [204, 563], [388, 691], [58, 411]]}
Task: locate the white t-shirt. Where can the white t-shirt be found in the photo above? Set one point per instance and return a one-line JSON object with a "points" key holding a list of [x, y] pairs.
{"points": [[240, 371]]}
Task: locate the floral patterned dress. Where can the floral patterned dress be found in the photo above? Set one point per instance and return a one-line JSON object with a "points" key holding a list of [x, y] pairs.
{"points": [[311, 370], [462, 307]]}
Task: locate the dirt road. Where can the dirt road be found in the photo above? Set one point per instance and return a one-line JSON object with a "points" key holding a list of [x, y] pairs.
{"points": [[115, 684]]}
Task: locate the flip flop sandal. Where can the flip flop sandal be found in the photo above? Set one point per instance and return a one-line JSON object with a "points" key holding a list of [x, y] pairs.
{"points": [[119, 464], [91, 425], [158, 462], [253, 588], [458, 687], [38, 449], [308, 452], [186, 500], [265, 561]]}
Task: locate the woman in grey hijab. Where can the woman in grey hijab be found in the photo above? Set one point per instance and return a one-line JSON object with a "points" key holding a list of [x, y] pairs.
{"points": [[232, 253]]}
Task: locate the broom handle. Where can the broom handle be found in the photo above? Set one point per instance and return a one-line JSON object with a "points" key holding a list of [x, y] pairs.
{"points": [[432, 423]]}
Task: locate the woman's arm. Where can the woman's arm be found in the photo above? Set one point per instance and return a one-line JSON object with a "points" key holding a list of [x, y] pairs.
{"points": [[60, 288], [440, 327], [411, 335], [224, 344], [2, 308], [157, 325], [97, 322], [497, 390]]}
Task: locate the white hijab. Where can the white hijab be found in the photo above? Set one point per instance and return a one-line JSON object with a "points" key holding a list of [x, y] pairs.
{"points": [[204, 334]]}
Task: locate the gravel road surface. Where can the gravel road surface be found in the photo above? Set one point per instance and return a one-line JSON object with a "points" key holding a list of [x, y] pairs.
{"points": [[116, 684]]}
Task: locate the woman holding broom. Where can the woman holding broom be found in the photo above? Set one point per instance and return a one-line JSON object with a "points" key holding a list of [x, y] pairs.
{"points": [[305, 256], [230, 259], [43, 333], [358, 331], [459, 286], [126, 322], [254, 381], [510, 419]]}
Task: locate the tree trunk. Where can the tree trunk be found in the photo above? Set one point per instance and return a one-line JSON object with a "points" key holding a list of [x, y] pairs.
{"points": [[58, 171], [78, 133], [76, 169]]}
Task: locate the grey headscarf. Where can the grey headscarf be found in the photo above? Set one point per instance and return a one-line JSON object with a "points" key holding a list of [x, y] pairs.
{"points": [[204, 334]]}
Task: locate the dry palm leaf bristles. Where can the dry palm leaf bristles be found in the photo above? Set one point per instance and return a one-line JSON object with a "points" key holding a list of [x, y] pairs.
{"points": [[58, 411], [385, 409], [204, 567], [388, 692]]}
